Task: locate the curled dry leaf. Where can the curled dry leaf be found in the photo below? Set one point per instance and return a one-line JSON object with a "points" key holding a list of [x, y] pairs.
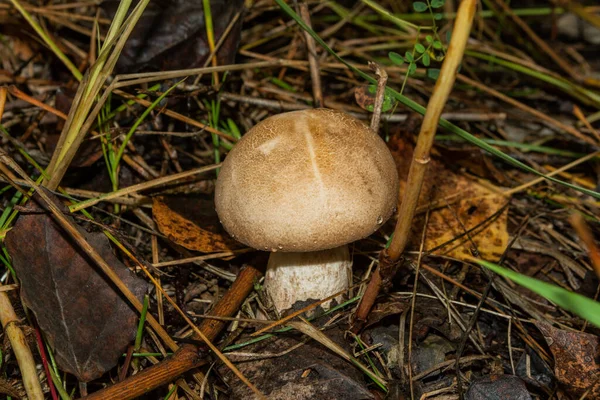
{"points": [[191, 222], [576, 356], [87, 323], [458, 204]]}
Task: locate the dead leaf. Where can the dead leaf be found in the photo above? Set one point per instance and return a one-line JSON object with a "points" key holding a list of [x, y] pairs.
{"points": [[458, 205], [171, 35], [191, 222], [382, 310], [576, 356], [87, 323]]}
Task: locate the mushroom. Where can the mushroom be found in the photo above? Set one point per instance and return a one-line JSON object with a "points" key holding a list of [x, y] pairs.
{"points": [[303, 185]]}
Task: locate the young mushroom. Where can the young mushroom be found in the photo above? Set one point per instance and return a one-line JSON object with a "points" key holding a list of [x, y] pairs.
{"points": [[303, 185]]}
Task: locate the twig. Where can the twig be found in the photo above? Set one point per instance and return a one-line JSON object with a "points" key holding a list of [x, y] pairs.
{"points": [[379, 96], [188, 356], [538, 41], [15, 335], [142, 186], [312, 59], [389, 258], [586, 236], [538, 114]]}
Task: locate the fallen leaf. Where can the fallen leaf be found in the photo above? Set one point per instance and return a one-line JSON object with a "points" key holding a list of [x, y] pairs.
{"points": [[576, 356], [191, 222], [365, 98], [87, 323], [171, 35], [458, 205], [382, 310]]}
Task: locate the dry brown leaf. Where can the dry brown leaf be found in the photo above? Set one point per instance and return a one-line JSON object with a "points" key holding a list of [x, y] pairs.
{"points": [[457, 204], [576, 356], [87, 323], [191, 222]]}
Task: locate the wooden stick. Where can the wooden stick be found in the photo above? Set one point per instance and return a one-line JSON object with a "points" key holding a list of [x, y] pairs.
{"points": [[20, 348], [389, 258], [313, 62], [382, 78], [188, 356]]}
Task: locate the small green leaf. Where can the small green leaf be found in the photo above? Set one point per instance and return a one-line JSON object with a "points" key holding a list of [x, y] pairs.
{"points": [[388, 103], [437, 3], [412, 68], [437, 45], [426, 60], [420, 48], [419, 6], [433, 73], [429, 39], [438, 16], [409, 57], [448, 36], [396, 58]]}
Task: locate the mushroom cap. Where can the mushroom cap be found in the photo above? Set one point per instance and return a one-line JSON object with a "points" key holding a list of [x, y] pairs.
{"points": [[305, 181]]}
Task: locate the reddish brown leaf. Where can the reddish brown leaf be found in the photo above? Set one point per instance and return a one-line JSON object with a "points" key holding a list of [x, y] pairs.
{"points": [[87, 323], [191, 222], [576, 356]]}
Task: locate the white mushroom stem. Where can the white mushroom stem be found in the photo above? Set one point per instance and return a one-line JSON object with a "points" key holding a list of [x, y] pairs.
{"points": [[293, 277]]}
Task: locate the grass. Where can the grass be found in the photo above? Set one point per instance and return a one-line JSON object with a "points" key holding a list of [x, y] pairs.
{"points": [[578, 304]]}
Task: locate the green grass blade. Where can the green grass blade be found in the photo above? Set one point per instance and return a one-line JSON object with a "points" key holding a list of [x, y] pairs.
{"points": [[580, 305], [140, 120], [421, 110]]}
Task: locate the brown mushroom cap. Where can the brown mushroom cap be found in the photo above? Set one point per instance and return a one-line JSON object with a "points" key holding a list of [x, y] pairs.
{"points": [[305, 181]]}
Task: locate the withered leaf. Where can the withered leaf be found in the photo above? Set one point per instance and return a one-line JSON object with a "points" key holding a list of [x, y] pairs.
{"points": [[87, 322], [191, 222], [463, 213], [576, 356]]}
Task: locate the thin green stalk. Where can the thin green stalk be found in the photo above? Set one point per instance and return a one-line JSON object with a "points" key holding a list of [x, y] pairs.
{"points": [[141, 119], [140, 329], [289, 328], [399, 22], [517, 145], [589, 97]]}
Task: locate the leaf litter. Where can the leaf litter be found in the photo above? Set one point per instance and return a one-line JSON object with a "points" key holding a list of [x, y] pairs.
{"points": [[467, 213], [87, 322]]}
